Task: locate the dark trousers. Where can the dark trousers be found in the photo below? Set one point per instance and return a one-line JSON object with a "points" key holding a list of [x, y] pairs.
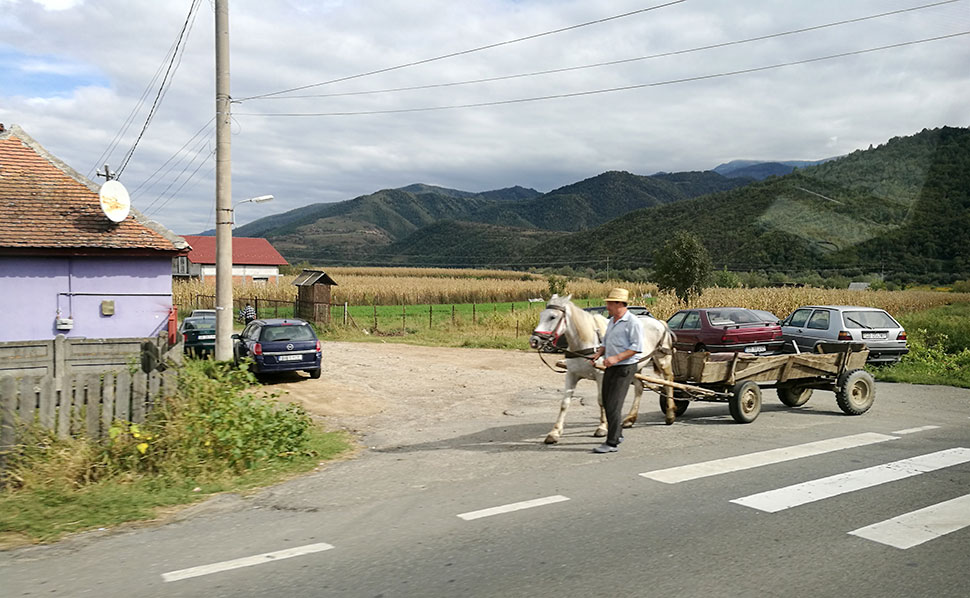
{"points": [[616, 382]]}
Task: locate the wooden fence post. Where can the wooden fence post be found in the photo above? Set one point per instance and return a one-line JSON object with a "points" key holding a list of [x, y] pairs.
{"points": [[474, 320], [452, 314], [375, 316], [404, 318], [429, 316]]}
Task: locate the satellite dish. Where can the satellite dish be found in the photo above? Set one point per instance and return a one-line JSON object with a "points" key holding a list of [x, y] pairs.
{"points": [[115, 202]]}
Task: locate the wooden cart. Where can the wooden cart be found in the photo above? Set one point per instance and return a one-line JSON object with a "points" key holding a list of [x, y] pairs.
{"points": [[738, 378]]}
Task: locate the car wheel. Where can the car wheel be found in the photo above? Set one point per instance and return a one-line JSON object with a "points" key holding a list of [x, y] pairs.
{"points": [[794, 396], [315, 373], [700, 347], [855, 392], [745, 402]]}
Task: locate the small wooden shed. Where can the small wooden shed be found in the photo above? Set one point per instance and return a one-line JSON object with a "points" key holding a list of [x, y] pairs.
{"points": [[313, 295]]}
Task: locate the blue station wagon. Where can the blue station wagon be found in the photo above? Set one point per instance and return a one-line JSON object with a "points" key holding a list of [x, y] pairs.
{"points": [[279, 345]]}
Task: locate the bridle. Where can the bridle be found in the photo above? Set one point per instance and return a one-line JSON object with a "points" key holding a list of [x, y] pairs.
{"points": [[556, 338]]}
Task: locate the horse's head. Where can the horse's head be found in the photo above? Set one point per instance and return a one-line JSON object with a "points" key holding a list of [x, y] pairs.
{"points": [[551, 329]]}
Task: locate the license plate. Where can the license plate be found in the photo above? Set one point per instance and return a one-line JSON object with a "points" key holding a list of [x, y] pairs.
{"points": [[206, 337], [874, 336], [289, 358], [755, 349]]}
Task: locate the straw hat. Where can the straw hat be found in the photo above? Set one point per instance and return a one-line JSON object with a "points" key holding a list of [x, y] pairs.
{"points": [[618, 294]]}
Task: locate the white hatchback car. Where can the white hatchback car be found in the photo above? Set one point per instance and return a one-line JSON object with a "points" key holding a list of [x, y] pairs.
{"points": [[812, 324]]}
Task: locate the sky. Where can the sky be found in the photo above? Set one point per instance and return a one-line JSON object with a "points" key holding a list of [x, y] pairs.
{"points": [[82, 76]]}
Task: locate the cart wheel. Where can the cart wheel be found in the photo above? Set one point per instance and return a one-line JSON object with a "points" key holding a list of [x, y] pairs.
{"points": [[794, 396], [855, 391], [745, 402], [680, 405]]}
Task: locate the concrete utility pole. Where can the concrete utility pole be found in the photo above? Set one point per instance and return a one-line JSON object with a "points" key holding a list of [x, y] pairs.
{"points": [[224, 311]]}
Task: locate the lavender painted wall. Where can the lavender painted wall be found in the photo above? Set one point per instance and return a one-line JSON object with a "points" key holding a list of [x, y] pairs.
{"points": [[32, 289]]}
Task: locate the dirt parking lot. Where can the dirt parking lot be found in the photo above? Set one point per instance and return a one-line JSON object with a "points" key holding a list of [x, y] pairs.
{"points": [[392, 394]]}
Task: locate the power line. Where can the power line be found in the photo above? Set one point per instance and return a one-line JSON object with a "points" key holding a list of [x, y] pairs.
{"points": [[608, 63], [164, 85], [151, 178], [464, 52], [607, 90]]}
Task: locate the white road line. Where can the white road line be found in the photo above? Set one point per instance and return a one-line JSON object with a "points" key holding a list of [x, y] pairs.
{"points": [[683, 473], [800, 494], [516, 506], [915, 430], [919, 526], [258, 559]]}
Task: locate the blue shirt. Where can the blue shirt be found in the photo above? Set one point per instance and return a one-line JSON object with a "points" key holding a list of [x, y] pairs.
{"points": [[622, 335]]}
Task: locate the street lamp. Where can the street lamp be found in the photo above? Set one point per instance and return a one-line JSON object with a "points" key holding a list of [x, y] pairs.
{"points": [[259, 199]]}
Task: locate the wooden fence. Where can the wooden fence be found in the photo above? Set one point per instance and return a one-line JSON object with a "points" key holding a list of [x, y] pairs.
{"points": [[80, 386]]}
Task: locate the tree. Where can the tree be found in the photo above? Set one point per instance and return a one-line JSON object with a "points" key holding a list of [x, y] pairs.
{"points": [[682, 265]]}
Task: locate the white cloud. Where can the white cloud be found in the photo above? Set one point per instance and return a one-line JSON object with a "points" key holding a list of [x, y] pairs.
{"points": [[808, 111]]}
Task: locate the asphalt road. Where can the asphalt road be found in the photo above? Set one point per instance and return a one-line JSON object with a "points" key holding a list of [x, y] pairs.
{"points": [[800, 502]]}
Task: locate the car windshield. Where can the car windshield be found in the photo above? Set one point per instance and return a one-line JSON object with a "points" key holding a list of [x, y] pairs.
{"points": [[199, 324], [723, 317], [287, 332], [868, 319], [765, 316]]}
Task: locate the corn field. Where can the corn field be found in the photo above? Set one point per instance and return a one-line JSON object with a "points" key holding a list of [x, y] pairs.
{"points": [[428, 286]]}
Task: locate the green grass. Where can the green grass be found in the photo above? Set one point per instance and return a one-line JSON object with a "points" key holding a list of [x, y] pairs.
{"points": [[939, 348], [47, 513]]}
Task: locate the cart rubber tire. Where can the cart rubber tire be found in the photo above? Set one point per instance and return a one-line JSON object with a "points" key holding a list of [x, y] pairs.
{"points": [[745, 402], [855, 392], [794, 396], [680, 405]]}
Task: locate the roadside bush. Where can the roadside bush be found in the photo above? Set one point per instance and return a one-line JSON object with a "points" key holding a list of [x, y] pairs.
{"points": [[947, 326]]}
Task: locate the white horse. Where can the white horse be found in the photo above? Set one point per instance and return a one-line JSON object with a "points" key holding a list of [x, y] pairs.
{"points": [[563, 325]]}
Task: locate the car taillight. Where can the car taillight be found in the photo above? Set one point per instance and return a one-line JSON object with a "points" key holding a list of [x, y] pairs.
{"points": [[845, 336], [728, 339], [776, 334], [257, 349], [901, 336], [185, 337], [318, 346]]}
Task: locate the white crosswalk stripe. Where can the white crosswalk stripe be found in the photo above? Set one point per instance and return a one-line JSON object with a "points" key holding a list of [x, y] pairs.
{"points": [[693, 471], [913, 529], [815, 490]]}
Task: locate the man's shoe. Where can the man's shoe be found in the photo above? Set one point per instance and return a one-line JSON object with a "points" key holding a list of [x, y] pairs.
{"points": [[605, 448]]}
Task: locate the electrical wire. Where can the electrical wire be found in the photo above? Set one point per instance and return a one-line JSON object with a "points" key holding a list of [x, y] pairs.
{"points": [[166, 81], [607, 90], [150, 180], [608, 63], [463, 52]]}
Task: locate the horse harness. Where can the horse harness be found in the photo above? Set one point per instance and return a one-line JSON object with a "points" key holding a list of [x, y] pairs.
{"points": [[554, 336]]}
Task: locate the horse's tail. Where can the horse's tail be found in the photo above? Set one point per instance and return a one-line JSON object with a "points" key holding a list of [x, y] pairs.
{"points": [[669, 340]]}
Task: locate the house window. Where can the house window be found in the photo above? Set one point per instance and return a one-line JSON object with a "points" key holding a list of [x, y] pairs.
{"points": [[180, 266], [260, 280]]}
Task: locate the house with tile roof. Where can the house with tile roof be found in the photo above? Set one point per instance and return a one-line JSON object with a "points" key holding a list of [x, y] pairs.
{"points": [[254, 260], [65, 267]]}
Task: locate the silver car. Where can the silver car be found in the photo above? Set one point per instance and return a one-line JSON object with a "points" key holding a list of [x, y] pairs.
{"points": [[811, 324]]}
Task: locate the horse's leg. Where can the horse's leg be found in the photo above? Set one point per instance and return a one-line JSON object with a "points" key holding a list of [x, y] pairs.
{"points": [[665, 366], [602, 428], [631, 417], [567, 395]]}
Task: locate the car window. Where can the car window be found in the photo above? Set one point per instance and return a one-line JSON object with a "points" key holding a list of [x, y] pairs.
{"points": [[722, 317], [677, 319], [868, 319], [799, 317], [199, 324], [251, 332], [692, 321], [300, 332], [819, 320]]}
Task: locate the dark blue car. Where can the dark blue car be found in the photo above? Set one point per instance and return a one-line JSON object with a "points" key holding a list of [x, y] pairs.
{"points": [[279, 345]]}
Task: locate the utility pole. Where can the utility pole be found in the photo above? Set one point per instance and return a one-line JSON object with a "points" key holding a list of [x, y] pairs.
{"points": [[223, 188]]}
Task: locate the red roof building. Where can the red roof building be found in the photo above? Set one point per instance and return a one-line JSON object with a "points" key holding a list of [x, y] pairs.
{"points": [[253, 260]]}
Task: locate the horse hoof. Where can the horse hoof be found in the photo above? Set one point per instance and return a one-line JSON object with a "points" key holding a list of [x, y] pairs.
{"points": [[599, 433], [550, 439], [629, 423], [669, 417]]}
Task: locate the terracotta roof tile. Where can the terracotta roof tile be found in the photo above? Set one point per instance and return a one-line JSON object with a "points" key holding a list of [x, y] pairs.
{"points": [[247, 251], [44, 204]]}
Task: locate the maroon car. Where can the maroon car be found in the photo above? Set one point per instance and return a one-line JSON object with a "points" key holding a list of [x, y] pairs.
{"points": [[718, 329]]}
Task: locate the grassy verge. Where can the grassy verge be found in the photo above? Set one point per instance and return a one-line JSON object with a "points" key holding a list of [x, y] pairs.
{"points": [[939, 343], [217, 435]]}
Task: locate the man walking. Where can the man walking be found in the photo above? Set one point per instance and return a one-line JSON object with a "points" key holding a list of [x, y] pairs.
{"points": [[622, 348]]}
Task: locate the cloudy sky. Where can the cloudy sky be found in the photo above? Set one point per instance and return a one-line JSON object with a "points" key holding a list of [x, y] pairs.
{"points": [[82, 76]]}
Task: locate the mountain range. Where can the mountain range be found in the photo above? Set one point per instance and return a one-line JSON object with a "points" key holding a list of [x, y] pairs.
{"points": [[900, 209]]}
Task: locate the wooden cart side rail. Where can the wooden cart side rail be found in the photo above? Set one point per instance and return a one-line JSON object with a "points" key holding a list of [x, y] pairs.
{"points": [[677, 385]]}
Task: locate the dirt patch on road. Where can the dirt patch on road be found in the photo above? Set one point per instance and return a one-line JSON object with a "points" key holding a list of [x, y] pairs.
{"points": [[387, 392]]}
